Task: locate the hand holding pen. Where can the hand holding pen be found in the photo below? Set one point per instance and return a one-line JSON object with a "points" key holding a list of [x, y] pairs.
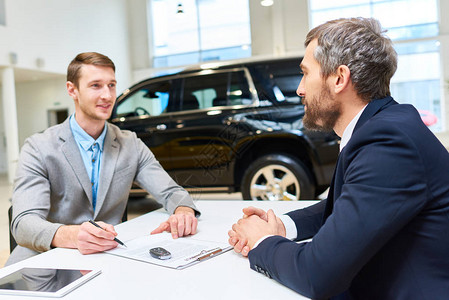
{"points": [[115, 239], [90, 238]]}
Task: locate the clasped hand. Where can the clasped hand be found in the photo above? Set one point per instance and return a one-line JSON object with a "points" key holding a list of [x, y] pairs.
{"points": [[255, 224]]}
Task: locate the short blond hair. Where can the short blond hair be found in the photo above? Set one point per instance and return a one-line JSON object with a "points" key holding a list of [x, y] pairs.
{"points": [[86, 58]]}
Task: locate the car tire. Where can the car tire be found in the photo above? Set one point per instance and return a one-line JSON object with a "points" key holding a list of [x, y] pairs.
{"points": [[277, 177]]}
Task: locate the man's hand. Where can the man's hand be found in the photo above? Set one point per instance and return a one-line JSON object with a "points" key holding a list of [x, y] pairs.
{"points": [[249, 211], [254, 225], [86, 237], [240, 245], [92, 239], [183, 222]]}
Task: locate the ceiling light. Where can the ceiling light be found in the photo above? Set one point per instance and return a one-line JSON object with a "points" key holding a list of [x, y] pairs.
{"points": [[266, 2], [179, 9]]}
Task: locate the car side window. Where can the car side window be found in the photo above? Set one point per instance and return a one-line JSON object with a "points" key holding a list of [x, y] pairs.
{"points": [[239, 93], [152, 99], [220, 89], [277, 81], [286, 76]]}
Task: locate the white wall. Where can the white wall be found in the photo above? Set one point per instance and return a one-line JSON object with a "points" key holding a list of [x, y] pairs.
{"points": [[54, 31], [296, 24], [3, 162], [261, 19], [138, 34], [279, 29], [34, 98]]}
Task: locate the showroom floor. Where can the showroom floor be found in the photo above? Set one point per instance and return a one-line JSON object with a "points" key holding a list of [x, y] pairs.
{"points": [[136, 208]]}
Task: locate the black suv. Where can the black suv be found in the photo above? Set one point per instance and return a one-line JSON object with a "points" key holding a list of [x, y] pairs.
{"points": [[231, 127]]}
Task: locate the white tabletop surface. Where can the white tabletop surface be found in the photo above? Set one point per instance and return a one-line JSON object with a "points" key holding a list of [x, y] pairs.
{"points": [[227, 276]]}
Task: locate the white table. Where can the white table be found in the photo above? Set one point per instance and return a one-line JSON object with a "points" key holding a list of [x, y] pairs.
{"points": [[227, 276]]}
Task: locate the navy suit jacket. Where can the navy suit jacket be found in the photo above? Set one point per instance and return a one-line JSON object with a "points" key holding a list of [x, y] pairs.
{"points": [[383, 232]]}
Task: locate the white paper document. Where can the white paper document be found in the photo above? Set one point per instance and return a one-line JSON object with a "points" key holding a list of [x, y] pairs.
{"points": [[185, 251]]}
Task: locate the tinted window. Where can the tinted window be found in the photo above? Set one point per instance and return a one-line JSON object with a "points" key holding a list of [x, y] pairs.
{"points": [[286, 75], [277, 81], [221, 89], [152, 99], [238, 90]]}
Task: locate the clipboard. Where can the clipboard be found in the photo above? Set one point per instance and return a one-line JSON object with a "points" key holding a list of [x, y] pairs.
{"points": [[185, 251]]}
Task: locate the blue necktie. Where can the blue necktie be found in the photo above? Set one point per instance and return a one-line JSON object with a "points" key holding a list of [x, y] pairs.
{"points": [[94, 178]]}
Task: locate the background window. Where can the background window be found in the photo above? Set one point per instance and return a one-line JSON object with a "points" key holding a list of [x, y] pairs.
{"points": [[417, 80], [199, 33]]}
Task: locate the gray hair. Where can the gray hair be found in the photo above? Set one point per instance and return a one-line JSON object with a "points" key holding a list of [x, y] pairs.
{"points": [[361, 45]]}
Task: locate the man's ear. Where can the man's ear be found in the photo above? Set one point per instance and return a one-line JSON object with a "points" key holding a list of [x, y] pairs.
{"points": [[342, 78], [71, 89]]}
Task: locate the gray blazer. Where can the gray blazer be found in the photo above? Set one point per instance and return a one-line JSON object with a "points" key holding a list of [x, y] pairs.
{"points": [[52, 187]]}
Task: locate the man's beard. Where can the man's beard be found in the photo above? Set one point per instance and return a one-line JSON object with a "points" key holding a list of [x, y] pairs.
{"points": [[323, 109]]}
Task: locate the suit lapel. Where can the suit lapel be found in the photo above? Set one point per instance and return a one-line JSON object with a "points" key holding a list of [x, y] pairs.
{"points": [[330, 195], [372, 108], [109, 158], [72, 154]]}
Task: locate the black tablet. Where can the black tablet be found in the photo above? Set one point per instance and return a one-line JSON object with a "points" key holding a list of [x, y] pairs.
{"points": [[44, 282]]}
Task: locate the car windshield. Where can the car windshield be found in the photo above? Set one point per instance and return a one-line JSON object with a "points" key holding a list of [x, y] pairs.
{"points": [[152, 99]]}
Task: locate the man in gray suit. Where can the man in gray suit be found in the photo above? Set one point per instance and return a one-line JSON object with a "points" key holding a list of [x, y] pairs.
{"points": [[83, 169]]}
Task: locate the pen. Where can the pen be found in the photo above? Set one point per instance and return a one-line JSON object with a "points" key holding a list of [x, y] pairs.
{"points": [[115, 239], [209, 254]]}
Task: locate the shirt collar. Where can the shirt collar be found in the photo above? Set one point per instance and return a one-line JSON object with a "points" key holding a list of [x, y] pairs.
{"points": [[350, 129], [83, 138]]}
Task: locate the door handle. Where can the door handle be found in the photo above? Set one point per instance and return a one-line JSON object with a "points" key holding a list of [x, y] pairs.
{"points": [[230, 121], [158, 127]]}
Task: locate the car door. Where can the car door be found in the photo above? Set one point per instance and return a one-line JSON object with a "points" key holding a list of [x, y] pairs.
{"points": [[202, 152], [146, 110]]}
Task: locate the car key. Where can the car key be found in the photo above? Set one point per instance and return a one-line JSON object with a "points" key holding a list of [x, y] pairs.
{"points": [[160, 253]]}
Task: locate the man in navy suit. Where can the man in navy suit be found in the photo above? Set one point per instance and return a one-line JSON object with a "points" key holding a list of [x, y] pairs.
{"points": [[383, 231]]}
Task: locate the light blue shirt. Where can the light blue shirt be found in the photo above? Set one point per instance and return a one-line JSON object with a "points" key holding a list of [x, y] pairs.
{"points": [[91, 152]]}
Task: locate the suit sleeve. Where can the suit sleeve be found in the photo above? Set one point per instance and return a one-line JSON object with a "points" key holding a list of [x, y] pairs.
{"points": [[308, 220], [384, 187], [155, 180], [31, 201]]}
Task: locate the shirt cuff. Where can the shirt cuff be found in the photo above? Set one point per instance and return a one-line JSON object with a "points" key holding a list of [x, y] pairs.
{"points": [[261, 240], [290, 230], [290, 227]]}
